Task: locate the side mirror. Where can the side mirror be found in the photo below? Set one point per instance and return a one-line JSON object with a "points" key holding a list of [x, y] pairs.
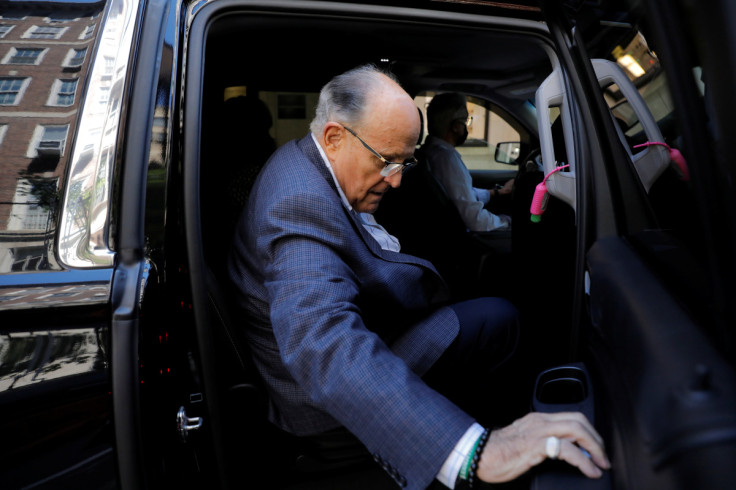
{"points": [[508, 152]]}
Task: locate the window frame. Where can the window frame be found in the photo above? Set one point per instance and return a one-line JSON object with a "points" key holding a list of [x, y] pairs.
{"points": [[72, 54], [56, 92], [525, 134], [33, 32], [13, 53], [39, 136], [88, 32], [25, 81], [22, 202], [5, 33]]}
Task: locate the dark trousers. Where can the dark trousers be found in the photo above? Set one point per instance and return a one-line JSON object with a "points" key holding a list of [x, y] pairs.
{"points": [[473, 371]]}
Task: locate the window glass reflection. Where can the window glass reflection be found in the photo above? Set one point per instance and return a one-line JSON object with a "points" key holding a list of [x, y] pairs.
{"points": [[27, 358], [45, 57]]}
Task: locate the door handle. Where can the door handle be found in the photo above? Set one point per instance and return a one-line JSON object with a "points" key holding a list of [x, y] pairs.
{"points": [[184, 423]]}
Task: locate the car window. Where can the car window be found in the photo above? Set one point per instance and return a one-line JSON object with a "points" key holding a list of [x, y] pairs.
{"points": [[671, 190], [643, 68], [41, 102], [291, 111], [677, 246], [490, 126]]}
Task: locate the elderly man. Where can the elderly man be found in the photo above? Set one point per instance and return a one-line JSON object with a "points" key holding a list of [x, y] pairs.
{"points": [[343, 326], [447, 125]]}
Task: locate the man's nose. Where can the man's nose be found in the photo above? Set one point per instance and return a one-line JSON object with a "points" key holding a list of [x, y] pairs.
{"points": [[394, 180]]}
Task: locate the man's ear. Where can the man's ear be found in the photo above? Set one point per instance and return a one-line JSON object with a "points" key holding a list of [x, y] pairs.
{"points": [[333, 136], [457, 126], [455, 129]]}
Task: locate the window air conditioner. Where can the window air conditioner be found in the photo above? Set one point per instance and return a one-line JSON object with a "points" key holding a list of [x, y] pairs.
{"points": [[49, 148]]}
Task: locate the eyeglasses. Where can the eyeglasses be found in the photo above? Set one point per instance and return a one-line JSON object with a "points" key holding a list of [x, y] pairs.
{"points": [[391, 168], [467, 121]]}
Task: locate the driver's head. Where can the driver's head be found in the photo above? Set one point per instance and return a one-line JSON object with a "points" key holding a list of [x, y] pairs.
{"points": [[447, 116]]}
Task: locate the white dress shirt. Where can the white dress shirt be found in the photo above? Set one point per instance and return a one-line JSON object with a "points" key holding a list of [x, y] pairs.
{"points": [[448, 168], [383, 237]]}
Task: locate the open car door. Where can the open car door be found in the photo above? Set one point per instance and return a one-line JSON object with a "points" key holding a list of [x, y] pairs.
{"points": [[654, 204]]}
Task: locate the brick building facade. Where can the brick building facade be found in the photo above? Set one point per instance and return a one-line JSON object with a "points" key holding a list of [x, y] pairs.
{"points": [[45, 55]]}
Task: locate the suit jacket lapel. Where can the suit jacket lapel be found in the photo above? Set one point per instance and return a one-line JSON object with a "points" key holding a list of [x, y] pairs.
{"points": [[309, 149]]}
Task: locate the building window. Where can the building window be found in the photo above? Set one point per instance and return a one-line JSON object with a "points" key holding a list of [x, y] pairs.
{"points": [[32, 204], [24, 56], [53, 137], [3, 131], [104, 95], [88, 32], [63, 92], [109, 67], [44, 32], [56, 19], [10, 90], [5, 29], [75, 57], [48, 141], [13, 16], [28, 259]]}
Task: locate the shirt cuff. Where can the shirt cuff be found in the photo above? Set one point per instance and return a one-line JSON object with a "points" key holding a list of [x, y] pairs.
{"points": [[453, 464]]}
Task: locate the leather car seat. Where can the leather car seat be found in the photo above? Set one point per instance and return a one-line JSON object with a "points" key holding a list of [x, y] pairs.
{"points": [[237, 146], [426, 222]]}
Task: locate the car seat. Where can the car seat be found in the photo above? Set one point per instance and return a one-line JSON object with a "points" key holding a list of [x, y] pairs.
{"points": [[237, 146], [428, 225]]}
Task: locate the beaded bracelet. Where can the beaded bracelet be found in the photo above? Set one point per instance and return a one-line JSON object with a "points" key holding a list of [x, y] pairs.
{"points": [[466, 467], [482, 440]]}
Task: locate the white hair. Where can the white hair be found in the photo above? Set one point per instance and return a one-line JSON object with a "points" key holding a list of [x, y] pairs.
{"points": [[344, 98]]}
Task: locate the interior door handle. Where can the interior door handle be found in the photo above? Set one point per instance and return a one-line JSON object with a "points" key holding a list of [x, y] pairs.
{"points": [[184, 424]]}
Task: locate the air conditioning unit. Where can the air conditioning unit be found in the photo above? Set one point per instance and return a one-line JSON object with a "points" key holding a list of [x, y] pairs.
{"points": [[49, 148]]}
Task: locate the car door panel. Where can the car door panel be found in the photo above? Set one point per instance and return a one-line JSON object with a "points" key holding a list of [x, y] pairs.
{"points": [[665, 398], [54, 373], [672, 400], [56, 261]]}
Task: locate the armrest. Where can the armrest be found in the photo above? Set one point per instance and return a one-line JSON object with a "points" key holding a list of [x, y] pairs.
{"points": [[498, 241]]}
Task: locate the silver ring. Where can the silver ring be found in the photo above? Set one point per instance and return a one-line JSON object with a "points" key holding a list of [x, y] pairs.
{"points": [[552, 447]]}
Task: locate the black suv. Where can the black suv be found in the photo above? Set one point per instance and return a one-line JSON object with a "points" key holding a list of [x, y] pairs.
{"points": [[129, 135]]}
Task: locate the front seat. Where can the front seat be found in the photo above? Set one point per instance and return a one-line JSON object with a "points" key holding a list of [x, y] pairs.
{"points": [[428, 225]]}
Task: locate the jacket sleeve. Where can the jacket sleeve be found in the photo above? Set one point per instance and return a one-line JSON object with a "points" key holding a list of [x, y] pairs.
{"points": [[344, 367]]}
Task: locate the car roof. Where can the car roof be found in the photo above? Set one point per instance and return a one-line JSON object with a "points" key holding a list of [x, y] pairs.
{"points": [[521, 9], [497, 58]]}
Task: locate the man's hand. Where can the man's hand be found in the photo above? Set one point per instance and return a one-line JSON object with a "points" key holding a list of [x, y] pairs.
{"points": [[513, 450], [507, 188], [503, 191]]}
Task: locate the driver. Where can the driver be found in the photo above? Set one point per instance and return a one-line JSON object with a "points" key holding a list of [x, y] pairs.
{"points": [[447, 122]]}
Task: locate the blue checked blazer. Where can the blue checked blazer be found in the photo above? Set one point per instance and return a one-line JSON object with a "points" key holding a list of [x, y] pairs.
{"points": [[341, 330]]}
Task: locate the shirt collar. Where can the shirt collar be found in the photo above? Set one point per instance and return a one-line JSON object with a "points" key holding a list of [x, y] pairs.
{"points": [[434, 140], [332, 172]]}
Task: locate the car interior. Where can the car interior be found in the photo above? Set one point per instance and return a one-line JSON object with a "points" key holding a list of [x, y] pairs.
{"points": [[493, 66], [258, 89]]}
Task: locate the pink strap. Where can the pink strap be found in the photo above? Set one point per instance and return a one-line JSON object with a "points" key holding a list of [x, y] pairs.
{"points": [[557, 169], [675, 156]]}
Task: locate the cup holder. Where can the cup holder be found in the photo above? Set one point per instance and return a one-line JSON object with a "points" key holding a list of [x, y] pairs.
{"points": [[564, 388]]}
